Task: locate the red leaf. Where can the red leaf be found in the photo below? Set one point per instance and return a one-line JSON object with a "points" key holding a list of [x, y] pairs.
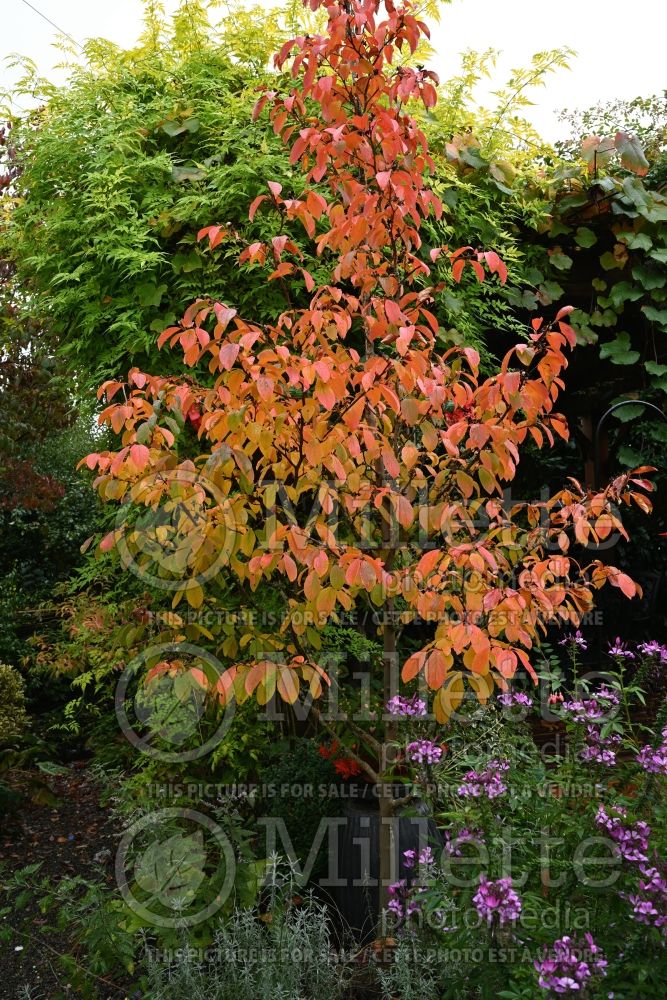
{"points": [[140, 456], [255, 205], [228, 354], [108, 542], [496, 265]]}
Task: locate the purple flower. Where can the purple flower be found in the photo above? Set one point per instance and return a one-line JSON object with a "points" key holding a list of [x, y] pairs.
{"points": [[607, 694], [509, 698], [653, 760], [620, 650], [599, 748], [425, 857], [454, 842], [485, 783], [650, 648], [597, 708], [423, 752], [569, 965], [598, 755], [630, 840], [398, 893], [404, 896], [408, 707], [497, 900], [649, 903], [574, 639]]}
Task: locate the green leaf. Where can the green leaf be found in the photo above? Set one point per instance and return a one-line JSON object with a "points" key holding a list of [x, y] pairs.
{"points": [[573, 201], [656, 212], [624, 291], [561, 261], [550, 291], [637, 241], [627, 413], [187, 262], [655, 369], [173, 128], [150, 294], [608, 261], [648, 277], [635, 192], [585, 237], [49, 767], [606, 317], [655, 315], [618, 351], [172, 871], [628, 457], [187, 173]]}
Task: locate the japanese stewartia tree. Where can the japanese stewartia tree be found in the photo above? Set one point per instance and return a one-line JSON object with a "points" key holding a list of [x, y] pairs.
{"points": [[340, 448]]}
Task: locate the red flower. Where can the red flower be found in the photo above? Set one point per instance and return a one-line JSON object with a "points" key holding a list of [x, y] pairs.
{"points": [[346, 767], [329, 751], [194, 416]]}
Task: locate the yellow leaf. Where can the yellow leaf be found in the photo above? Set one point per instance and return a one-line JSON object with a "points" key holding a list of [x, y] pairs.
{"points": [[410, 410], [448, 698], [465, 483], [409, 454], [194, 595], [482, 686], [288, 687]]}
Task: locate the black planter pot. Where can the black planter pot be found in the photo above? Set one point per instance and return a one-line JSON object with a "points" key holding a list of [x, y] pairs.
{"points": [[357, 865]]}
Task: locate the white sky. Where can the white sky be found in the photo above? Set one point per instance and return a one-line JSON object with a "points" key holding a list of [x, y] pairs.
{"points": [[621, 48]]}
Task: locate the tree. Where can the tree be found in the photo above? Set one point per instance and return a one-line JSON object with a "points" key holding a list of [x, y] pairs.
{"points": [[340, 449], [103, 241], [116, 166]]}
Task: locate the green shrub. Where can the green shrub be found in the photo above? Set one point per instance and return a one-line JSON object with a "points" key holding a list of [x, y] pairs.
{"points": [[13, 715], [311, 776], [289, 957]]}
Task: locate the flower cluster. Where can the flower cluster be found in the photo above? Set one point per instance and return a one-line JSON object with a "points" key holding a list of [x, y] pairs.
{"points": [[510, 698], [630, 840], [346, 767], [649, 904], [404, 898], [620, 650], [600, 749], [574, 639], [423, 752], [455, 841], [400, 903], [569, 966], [594, 709], [487, 783], [496, 900], [425, 857], [399, 705], [654, 759], [653, 648]]}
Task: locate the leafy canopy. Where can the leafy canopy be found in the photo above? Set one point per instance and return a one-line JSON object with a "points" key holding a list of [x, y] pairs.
{"points": [[344, 410]]}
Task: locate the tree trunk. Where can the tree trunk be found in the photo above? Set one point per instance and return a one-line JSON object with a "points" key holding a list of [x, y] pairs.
{"points": [[387, 837]]}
